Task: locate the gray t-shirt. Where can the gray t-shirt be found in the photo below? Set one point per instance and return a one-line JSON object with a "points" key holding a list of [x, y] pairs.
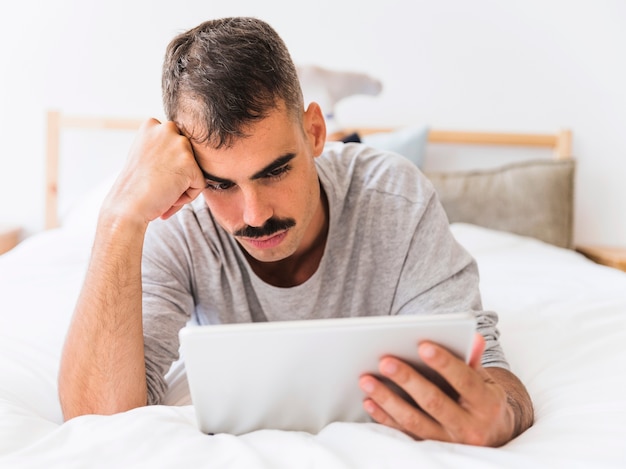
{"points": [[389, 251]]}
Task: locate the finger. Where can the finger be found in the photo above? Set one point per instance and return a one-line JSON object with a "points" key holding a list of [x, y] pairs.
{"points": [[467, 381], [197, 182], [188, 196], [435, 402], [171, 211], [387, 408], [150, 122], [380, 416]]}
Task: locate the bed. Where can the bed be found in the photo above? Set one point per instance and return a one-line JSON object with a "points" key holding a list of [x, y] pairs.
{"points": [[562, 320]]}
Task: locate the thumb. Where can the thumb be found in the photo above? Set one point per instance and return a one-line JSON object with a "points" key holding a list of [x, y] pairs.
{"points": [[477, 351]]}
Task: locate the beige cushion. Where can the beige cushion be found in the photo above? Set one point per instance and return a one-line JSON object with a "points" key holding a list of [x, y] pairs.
{"points": [[533, 198]]}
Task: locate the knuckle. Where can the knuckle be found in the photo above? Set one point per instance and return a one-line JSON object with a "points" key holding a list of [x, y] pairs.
{"points": [[148, 123], [433, 403], [466, 382], [409, 421]]}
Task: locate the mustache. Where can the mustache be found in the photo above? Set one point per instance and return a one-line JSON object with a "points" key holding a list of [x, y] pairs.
{"points": [[271, 226]]}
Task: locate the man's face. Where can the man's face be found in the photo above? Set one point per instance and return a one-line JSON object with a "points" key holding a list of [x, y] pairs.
{"points": [[264, 190]]}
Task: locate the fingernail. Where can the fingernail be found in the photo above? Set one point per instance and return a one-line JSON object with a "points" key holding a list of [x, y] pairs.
{"points": [[389, 367], [369, 407], [367, 386], [427, 351]]}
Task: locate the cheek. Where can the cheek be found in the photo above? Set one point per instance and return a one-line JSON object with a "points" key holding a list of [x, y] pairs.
{"points": [[294, 200], [224, 210]]}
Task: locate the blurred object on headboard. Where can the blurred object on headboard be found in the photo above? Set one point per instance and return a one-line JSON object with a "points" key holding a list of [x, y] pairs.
{"points": [[327, 87], [531, 199]]}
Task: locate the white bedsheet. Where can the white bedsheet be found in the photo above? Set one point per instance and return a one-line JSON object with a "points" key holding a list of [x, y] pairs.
{"points": [[563, 325]]}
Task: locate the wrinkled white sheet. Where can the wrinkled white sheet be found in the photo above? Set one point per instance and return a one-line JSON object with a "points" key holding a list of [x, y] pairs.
{"points": [[563, 325]]}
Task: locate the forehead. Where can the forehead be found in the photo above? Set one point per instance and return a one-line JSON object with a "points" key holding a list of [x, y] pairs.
{"points": [[266, 140]]}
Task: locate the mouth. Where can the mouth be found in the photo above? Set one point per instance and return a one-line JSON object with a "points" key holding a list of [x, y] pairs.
{"points": [[267, 242]]}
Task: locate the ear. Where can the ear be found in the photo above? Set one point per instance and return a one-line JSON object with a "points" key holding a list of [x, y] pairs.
{"points": [[315, 127]]}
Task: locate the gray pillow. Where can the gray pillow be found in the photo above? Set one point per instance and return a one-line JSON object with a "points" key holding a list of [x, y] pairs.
{"points": [[532, 198], [408, 141]]}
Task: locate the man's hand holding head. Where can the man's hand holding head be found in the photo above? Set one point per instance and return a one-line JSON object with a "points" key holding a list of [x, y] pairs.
{"points": [[161, 175]]}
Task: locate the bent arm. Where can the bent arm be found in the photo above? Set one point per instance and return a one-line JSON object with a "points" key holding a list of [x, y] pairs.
{"points": [[102, 366]]}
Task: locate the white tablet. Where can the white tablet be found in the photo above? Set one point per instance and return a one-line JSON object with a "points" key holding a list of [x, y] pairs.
{"points": [[302, 375]]}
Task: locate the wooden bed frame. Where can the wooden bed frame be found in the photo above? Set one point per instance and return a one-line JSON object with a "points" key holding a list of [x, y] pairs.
{"points": [[57, 122]]}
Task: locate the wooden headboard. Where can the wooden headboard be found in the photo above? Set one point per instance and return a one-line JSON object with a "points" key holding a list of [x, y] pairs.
{"points": [[57, 122]]}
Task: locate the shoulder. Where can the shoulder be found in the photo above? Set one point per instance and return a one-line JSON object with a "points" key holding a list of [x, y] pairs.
{"points": [[354, 167]]}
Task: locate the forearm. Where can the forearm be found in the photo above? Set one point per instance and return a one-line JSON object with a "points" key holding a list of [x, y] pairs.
{"points": [[517, 398], [102, 368]]}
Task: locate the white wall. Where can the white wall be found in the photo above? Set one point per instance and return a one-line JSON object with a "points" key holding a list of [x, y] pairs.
{"points": [[534, 65]]}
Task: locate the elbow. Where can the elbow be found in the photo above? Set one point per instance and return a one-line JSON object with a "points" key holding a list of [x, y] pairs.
{"points": [[77, 400], [72, 408]]}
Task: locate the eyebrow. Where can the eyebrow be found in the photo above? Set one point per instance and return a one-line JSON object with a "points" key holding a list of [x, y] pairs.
{"points": [[277, 163]]}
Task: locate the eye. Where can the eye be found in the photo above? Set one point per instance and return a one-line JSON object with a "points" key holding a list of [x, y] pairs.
{"points": [[277, 173], [218, 186]]}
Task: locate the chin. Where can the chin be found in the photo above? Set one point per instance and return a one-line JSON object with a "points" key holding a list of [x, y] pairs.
{"points": [[267, 256]]}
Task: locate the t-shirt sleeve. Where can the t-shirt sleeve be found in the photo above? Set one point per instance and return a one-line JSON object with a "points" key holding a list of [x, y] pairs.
{"points": [[440, 276], [167, 302]]}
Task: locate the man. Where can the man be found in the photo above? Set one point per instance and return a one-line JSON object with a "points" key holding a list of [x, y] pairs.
{"points": [[284, 229]]}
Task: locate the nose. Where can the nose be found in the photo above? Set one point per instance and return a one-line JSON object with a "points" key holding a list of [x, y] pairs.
{"points": [[257, 208]]}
